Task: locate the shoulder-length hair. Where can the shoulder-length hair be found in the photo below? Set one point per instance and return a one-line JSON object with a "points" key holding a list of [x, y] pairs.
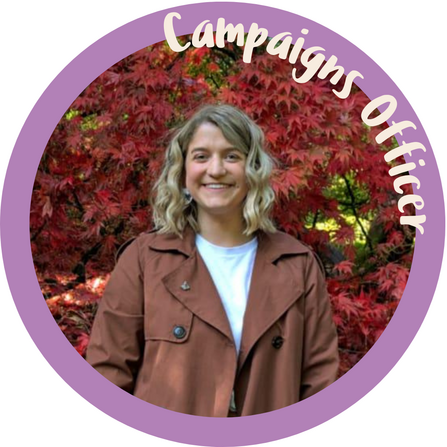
{"points": [[172, 211]]}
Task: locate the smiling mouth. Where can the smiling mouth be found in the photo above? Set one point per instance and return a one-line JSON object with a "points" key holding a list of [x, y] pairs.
{"points": [[217, 186]]}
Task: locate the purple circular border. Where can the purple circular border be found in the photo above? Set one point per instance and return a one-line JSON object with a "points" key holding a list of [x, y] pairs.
{"points": [[91, 385]]}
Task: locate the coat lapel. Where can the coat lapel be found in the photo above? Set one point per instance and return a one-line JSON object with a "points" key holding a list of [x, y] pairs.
{"points": [[272, 289], [191, 282]]}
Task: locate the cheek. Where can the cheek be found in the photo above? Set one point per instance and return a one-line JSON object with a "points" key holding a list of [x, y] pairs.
{"points": [[244, 181], [191, 177]]}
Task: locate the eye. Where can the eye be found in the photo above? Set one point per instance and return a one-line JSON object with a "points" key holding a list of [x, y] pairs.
{"points": [[233, 156], [199, 156]]}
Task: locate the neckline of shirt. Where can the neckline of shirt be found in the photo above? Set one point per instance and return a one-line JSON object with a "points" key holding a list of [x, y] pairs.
{"points": [[228, 251]]}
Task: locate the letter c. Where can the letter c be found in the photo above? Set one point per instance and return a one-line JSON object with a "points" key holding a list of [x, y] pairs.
{"points": [[171, 38]]}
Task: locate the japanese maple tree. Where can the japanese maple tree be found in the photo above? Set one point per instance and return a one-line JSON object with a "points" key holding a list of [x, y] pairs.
{"points": [[333, 189]]}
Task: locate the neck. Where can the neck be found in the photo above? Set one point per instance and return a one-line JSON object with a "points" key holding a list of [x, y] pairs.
{"points": [[223, 231]]}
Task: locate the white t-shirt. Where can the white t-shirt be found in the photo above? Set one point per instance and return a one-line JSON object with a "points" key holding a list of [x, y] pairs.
{"points": [[231, 269]]}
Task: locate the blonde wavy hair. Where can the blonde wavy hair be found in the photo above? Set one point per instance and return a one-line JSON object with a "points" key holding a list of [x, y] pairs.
{"points": [[172, 211]]}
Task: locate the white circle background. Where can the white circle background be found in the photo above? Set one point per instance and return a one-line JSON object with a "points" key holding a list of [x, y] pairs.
{"points": [[408, 406]]}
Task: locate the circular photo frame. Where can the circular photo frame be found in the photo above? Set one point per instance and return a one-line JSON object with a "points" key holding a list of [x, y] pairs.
{"points": [[124, 407]]}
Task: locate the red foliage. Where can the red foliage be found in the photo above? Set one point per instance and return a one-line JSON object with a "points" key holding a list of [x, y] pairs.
{"points": [[333, 189], [74, 310]]}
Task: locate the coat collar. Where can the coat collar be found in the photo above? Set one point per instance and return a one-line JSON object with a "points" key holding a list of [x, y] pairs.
{"points": [[272, 246], [172, 242]]}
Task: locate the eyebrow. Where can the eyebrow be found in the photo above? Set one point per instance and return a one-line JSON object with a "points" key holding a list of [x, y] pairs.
{"points": [[227, 149]]}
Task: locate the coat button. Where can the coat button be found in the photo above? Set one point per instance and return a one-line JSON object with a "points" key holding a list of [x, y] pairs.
{"points": [[277, 341], [179, 332]]}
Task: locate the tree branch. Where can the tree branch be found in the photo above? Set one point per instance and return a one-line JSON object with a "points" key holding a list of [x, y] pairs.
{"points": [[227, 52], [354, 211], [314, 223], [39, 230]]}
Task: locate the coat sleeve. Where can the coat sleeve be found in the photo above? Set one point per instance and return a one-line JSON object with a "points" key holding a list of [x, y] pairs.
{"points": [[320, 355], [117, 337]]}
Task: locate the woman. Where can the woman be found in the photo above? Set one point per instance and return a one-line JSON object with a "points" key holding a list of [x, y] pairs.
{"points": [[216, 313]]}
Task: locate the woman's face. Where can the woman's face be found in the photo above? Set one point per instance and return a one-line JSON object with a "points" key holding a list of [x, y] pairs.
{"points": [[215, 173]]}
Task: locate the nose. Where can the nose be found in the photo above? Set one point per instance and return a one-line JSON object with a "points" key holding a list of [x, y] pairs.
{"points": [[216, 167]]}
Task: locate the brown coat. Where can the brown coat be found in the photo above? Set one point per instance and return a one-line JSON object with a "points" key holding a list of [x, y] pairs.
{"points": [[162, 334]]}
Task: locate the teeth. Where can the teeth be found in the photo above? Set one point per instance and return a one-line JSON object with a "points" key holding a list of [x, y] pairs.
{"points": [[214, 186]]}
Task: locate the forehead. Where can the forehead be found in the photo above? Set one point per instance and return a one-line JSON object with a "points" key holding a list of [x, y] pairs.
{"points": [[208, 135]]}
